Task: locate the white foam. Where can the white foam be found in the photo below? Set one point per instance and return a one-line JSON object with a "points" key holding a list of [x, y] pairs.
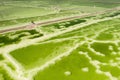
{"points": [[110, 48], [85, 69], [67, 73]]}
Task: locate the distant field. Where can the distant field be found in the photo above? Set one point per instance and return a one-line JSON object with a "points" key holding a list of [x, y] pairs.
{"points": [[11, 11]]}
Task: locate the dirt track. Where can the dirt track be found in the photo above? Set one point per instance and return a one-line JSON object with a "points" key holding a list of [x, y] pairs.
{"points": [[31, 26]]}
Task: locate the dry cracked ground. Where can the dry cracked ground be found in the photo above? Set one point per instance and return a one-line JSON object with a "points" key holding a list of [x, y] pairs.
{"points": [[91, 52]]}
